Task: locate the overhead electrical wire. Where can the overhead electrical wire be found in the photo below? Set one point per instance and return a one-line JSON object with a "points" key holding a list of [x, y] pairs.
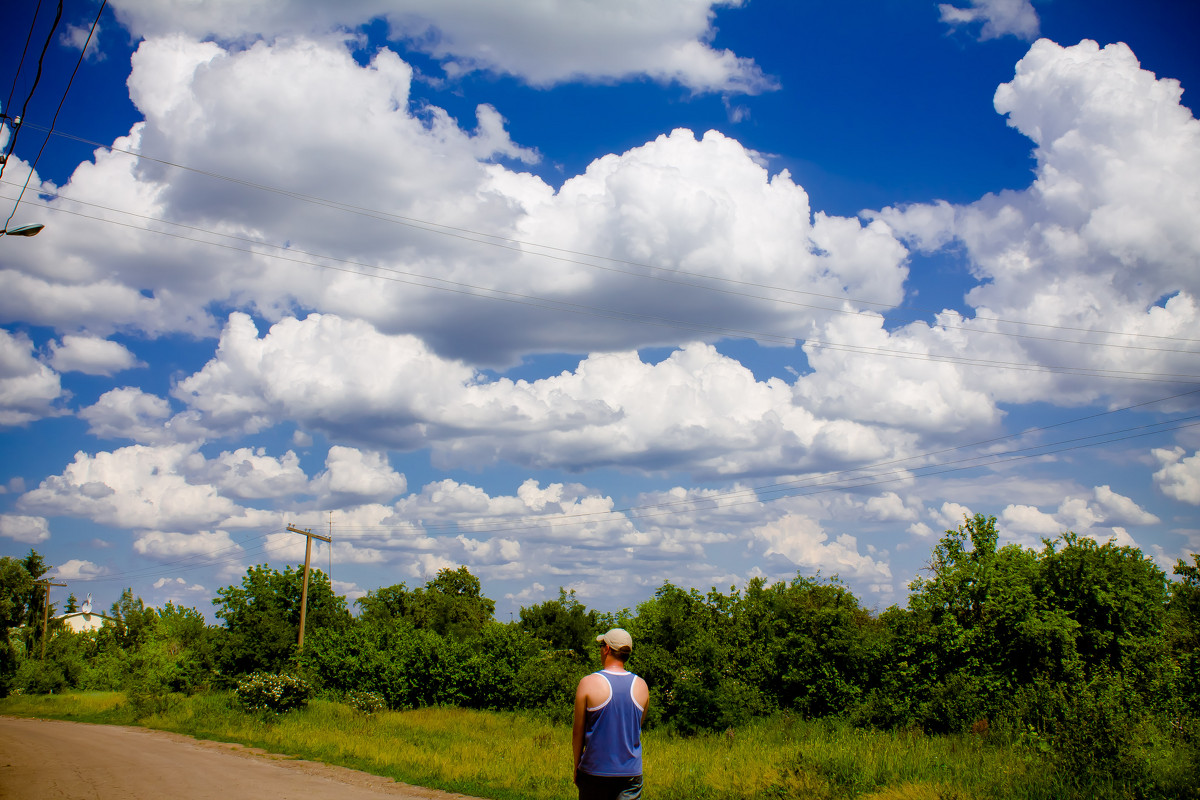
{"points": [[521, 246], [552, 522], [21, 61], [855, 478], [61, 102], [802, 488], [188, 563], [443, 284], [17, 122], [863, 476]]}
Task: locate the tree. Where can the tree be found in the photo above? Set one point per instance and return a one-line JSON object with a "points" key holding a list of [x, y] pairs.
{"points": [[452, 605], [1183, 631], [978, 630], [130, 622], [564, 624], [16, 587], [262, 617], [1116, 595], [807, 644]]}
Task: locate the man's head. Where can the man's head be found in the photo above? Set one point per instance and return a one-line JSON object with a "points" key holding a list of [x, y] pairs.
{"points": [[619, 643]]}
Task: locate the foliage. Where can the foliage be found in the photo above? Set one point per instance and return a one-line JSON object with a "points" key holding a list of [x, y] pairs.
{"points": [[366, 702], [516, 755], [21, 610], [1182, 631], [1115, 595], [414, 667], [1080, 656], [451, 605], [563, 624], [269, 692], [262, 618]]}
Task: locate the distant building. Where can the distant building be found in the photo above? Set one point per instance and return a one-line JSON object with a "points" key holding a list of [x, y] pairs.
{"points": [[84, 619]]}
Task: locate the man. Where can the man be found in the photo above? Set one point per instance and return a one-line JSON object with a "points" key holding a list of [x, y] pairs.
{"points": [[607, 737]]}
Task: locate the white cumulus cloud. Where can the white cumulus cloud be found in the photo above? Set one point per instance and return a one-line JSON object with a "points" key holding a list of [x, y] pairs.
{"points": [[91, 355], [803, 542], [26, 529], [28, 388], [1179, 475], [1104, 238], [540, 42], [78, 569]]}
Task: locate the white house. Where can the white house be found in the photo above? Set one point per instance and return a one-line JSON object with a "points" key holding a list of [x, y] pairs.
{"points": [[83, 619]]}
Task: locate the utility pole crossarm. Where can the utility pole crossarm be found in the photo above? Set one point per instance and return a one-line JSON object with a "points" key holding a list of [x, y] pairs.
{"points": [[307, 557]]}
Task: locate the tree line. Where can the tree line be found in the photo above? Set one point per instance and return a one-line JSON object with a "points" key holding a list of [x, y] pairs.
{"points": [[1077, 639]]}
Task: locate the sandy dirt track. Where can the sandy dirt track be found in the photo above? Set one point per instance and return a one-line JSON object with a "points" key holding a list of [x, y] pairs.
{"points": [[51, 760]]}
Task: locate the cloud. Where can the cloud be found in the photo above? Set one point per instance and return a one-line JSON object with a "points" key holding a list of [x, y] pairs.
{"points": [[1179, 477], [356, 475], [703, 213], [1023, 519], [91, 355], [890, 507], [29, 530], [1101, 241], [950, 516], [78, 569], [138, 486], [538, 42], [179, 585], [802, 541], [129, 413], [999, 17], [169, 545], [248, 473], [695, 410], [28, 388], [1104, 510], [348, 590], [1120, 509], [77, 36]]}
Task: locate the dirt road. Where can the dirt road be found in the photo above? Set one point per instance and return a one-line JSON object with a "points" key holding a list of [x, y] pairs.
{"points": [[50, 760]]}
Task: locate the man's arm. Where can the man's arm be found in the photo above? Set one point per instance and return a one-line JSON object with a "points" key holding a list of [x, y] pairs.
{"points": [[581, 702], [641, 693]]}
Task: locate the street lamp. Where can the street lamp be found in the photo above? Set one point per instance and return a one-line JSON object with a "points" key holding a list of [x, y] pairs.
{"points": [[23, 230]]}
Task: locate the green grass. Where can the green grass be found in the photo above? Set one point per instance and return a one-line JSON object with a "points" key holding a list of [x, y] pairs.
{"points": [[513, 755]]}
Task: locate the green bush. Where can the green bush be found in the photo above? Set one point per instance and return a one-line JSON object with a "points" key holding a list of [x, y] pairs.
{"points": [[264, 691], [39, 677], [547, 683]]}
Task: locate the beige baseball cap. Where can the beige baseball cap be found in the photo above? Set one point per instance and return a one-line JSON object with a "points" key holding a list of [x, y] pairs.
{"points": [[617, 639]]}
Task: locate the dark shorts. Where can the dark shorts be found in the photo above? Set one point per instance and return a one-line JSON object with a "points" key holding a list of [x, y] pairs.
{"points": [[599, 787]]}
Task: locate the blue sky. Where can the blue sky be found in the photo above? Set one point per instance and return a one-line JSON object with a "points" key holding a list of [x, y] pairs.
{"points": [[595, 295]]}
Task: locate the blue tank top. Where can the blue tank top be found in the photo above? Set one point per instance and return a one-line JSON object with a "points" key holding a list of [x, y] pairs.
{"points": [[612, 733]]}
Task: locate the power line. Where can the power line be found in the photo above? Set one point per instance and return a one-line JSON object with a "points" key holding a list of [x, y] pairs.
{"points": [[21, 61], [17, 123], [672, 274], [800, 483], [57, 111], [483, 292], [852, 479]]}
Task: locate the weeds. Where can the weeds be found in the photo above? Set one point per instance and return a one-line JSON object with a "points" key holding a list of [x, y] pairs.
{"points": [[513, 755]]}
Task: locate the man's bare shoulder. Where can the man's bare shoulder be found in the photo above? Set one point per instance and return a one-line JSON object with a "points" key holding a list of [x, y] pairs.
{"points": [[641, 691], [594, 688]]}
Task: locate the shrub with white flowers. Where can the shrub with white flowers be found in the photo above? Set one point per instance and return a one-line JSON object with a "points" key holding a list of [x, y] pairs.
{"points": [[264, 691], [366, 702]]}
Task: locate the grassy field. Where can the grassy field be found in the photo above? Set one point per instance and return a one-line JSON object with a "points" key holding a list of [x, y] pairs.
{"points": [[509, 755]]}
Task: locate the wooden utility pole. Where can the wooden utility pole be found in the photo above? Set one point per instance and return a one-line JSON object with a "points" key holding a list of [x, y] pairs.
{"points": [[307, 558], [46, 610]]}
